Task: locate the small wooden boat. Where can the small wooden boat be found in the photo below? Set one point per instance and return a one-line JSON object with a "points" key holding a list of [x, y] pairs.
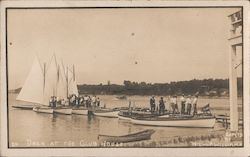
{"points": [[139, 136], [110, 113], [63, 110], [24, 107], [123, 97], [187, 121], [80, 110], [43, 109]]}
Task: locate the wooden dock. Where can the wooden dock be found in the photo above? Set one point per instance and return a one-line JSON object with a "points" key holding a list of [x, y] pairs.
{"points": [[225, 120]]}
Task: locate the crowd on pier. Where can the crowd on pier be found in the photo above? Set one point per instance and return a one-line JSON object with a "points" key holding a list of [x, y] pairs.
{"points": [[74, 100], [187, 104]]}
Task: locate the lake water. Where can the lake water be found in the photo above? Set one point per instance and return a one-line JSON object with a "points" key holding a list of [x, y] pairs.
{"points": [[30, 129]]}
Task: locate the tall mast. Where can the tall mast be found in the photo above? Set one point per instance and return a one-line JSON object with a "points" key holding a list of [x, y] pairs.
{"points": [[67, 81], [44, 74], [74, 73], [57, 75]]}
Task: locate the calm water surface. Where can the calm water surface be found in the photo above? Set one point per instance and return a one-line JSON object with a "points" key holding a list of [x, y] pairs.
{"points": [[28, 128]]}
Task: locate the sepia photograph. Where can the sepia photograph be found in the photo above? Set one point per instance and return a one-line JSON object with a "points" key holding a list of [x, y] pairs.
{"points": [[125, 77]]}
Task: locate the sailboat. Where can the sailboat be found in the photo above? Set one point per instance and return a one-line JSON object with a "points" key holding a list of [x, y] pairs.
{"points": [[63, 89], [45, 81], [34, 90], [72, 89]]}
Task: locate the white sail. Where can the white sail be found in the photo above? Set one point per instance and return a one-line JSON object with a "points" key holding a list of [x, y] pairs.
{"points": [[32, 90], [61, 85], [72, 86], [50, 81]]}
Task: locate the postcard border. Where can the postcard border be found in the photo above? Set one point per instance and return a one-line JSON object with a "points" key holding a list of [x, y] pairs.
{"points": [[245, 87]]}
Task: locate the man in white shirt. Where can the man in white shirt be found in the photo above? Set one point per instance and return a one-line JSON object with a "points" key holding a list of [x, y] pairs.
{"points": [[189, 105], [63, 102], [66, 102], [81, 100], [85, 99], [93, 101], [174, 106]]}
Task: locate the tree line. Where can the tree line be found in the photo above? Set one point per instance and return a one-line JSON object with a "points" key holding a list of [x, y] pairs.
{"points": [[205, 87]]}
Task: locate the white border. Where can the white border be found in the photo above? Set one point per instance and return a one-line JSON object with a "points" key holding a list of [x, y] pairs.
{"points": [[123, 151]]}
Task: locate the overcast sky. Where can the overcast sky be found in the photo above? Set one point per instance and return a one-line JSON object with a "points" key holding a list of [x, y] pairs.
{"points": [[151, 45]]}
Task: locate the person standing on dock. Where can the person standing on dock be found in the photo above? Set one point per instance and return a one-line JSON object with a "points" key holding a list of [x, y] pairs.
{"points": [[195, 104], [72, 100], [93, 99], [98, 102], [51, 101], [81, 101], [173, 101], [77, 102], [63, 102], [89, 101], [85, 99], [175, 104], [172, 104], [58, 101], [54, 101], [152, 104], [189, 105], [183, 101], [161, 106], [66, 102]]}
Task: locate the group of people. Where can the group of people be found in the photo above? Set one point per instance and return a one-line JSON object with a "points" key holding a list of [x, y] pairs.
{"points": [[187, 104], [74, 100]]}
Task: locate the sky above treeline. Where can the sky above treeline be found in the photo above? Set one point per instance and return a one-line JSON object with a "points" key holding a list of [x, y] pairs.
{"points": [[154, 45]]}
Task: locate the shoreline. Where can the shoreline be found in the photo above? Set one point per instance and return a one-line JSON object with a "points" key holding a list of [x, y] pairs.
{"points": [[202, 97]]}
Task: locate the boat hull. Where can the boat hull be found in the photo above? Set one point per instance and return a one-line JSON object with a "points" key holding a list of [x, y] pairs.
{"points": [[194, 123], [109, 114], [80, 111], [139, 136], [24, 107], [67, 111], [123, 117], [43, 110]]}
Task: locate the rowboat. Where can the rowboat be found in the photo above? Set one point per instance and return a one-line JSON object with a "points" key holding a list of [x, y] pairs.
{"points": [[63, 110], [110, 113], [43, 110], [187, 121], [138, 136], [123, 97], [24, 107], [80, 110]]}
